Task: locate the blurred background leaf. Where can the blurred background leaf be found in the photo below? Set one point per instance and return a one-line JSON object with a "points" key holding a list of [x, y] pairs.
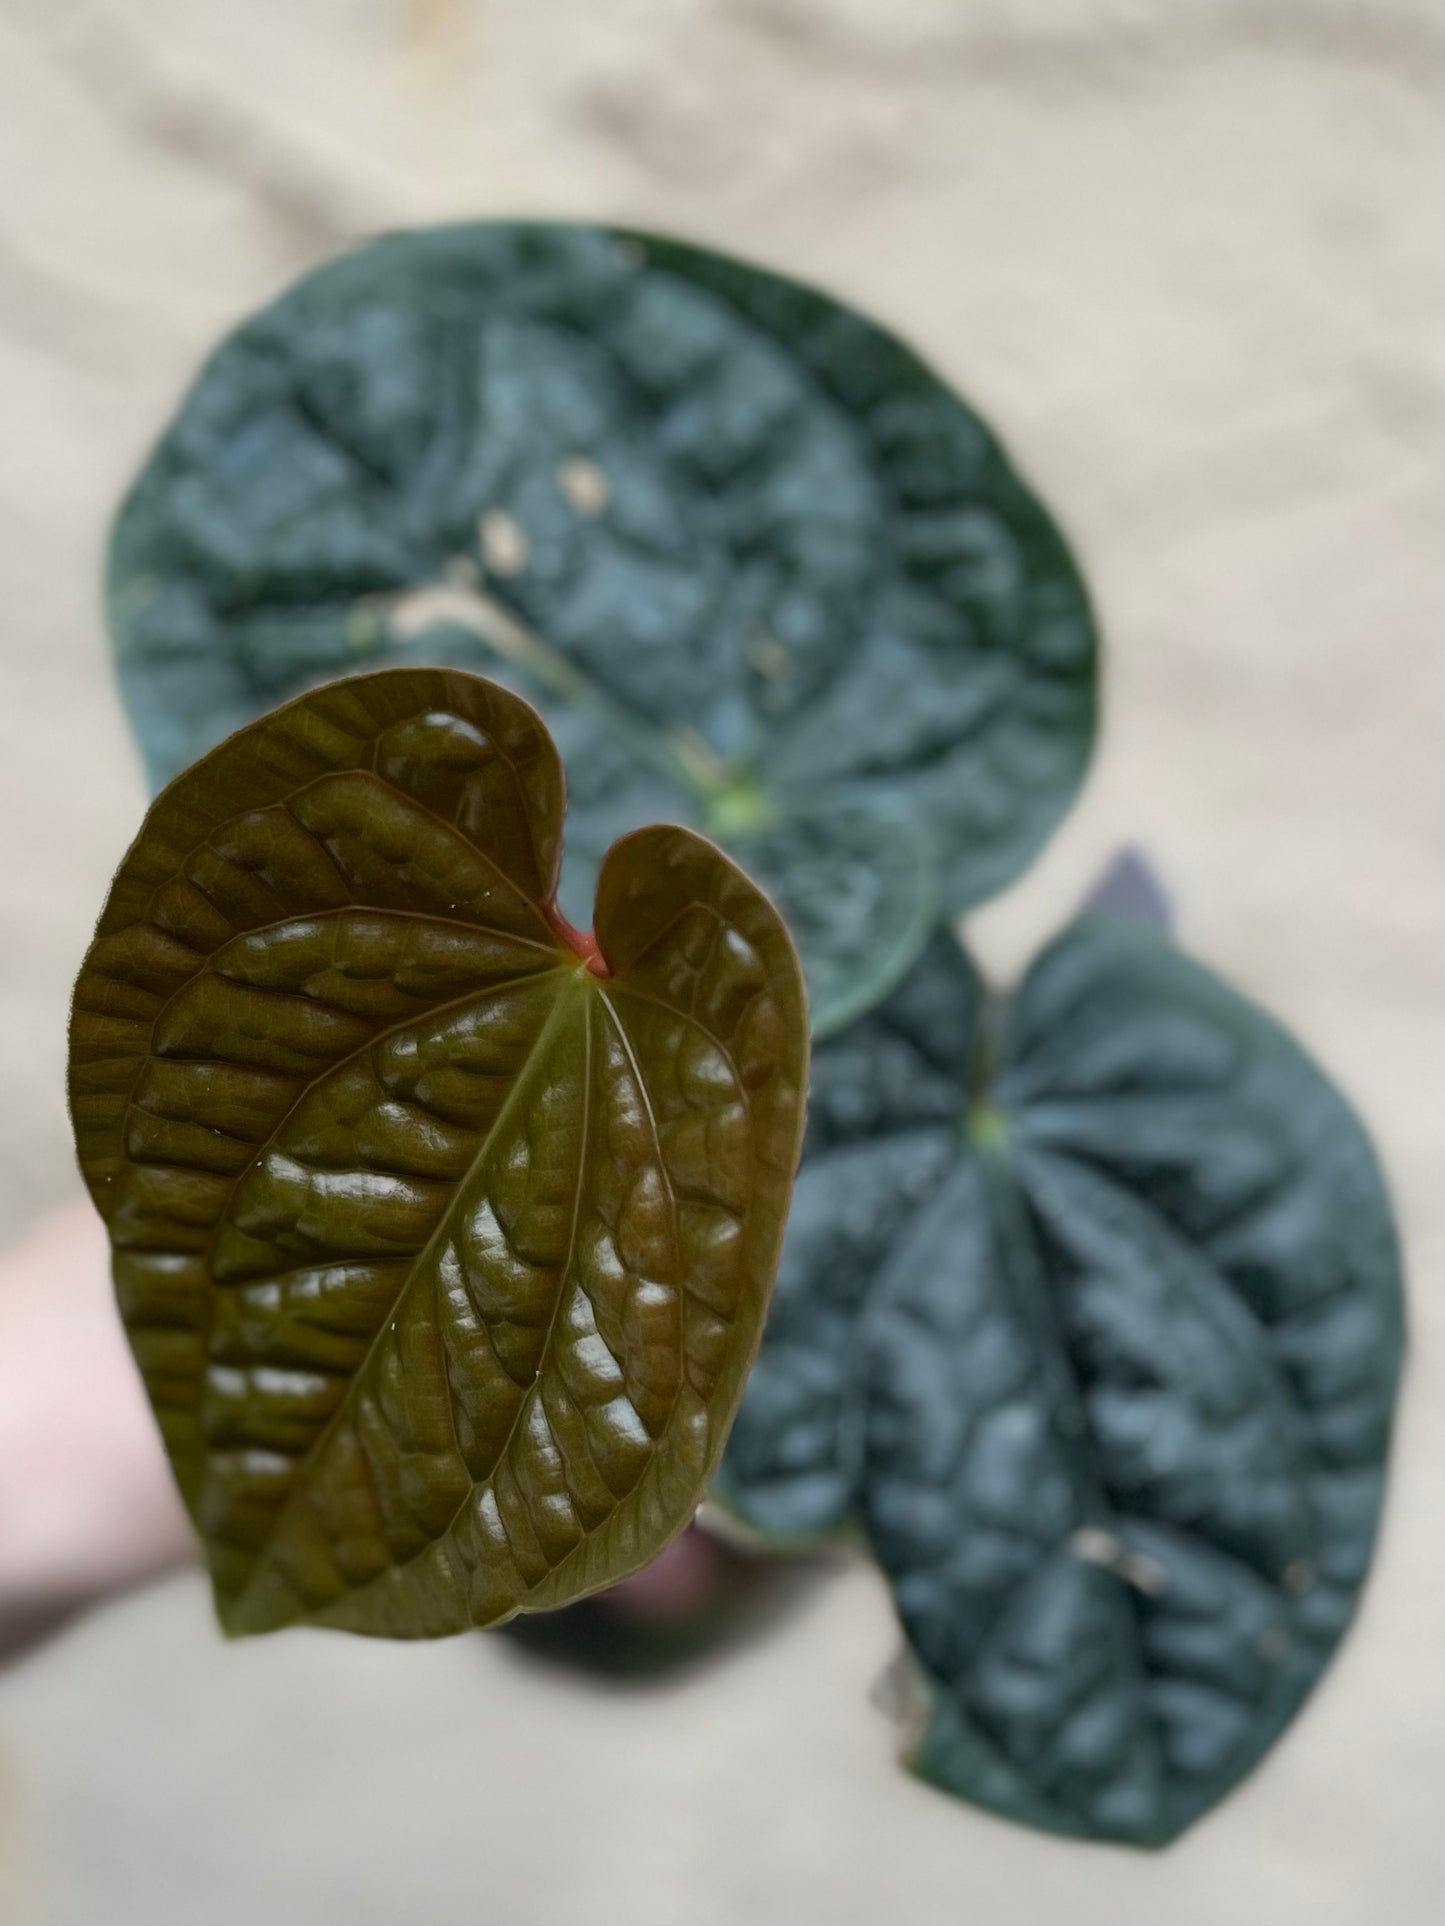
{"points": [[766, 574], [1089, 1319]]}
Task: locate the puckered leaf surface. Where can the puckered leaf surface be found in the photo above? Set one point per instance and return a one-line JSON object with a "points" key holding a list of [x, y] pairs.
{"points": [[1089, 1318], [764, 573], [443, 1243]]}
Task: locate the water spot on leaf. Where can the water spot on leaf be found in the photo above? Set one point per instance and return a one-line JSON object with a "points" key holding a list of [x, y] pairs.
{"points": [[584, 486], [505, 548]]}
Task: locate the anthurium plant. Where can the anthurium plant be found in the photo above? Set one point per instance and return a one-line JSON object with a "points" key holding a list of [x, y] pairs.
{"points": [[445, 1233]]}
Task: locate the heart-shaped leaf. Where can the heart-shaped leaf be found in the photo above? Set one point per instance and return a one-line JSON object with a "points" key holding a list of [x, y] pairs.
{"points": [[1089, 1316], [443, 1237], [762, 570]]}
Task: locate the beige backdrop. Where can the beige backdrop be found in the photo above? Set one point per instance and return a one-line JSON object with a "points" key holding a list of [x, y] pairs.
{"points": [[1186, 254]]}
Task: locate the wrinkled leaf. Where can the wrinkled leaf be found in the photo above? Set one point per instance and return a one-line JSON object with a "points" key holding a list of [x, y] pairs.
{"points": [[1089, 1317], [443, 1256], [763, 572]]}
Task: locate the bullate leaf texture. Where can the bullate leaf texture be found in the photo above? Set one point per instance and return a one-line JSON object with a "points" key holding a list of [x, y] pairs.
{"points": [[762, 571], [443, 1236], [1089, 1321]]}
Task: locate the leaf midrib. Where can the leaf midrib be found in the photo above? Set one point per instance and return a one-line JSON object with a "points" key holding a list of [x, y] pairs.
{"points": [[636, 1068], [547, 1033]]}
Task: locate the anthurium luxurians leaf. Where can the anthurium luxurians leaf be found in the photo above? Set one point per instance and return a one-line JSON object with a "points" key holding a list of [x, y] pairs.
{"points": [[1089, 1319], [443, 1236], [763, 572]]}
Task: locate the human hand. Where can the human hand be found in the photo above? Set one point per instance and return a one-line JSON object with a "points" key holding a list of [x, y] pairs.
{"points": [[87, 1503]]}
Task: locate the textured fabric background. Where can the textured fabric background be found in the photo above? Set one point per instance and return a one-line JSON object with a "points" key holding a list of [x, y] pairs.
{"points": [[1185, 254]]}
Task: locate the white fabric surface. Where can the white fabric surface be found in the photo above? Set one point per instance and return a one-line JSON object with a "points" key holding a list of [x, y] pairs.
{"points": [[1185, 254]]}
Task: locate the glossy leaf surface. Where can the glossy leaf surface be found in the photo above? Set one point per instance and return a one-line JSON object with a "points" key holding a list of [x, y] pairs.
{"points": [[1089, 1317], [443, 1256], [763, 572]]}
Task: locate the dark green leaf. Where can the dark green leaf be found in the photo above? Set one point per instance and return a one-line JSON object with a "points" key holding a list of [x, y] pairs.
{"points": [[1089, 1317], [443, 1236], [764, 572]]}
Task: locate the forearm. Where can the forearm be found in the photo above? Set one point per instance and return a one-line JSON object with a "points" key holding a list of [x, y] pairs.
{"points": [[87, 1505]]}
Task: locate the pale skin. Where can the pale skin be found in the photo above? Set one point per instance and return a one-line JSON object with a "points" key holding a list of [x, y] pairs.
{"points": [[88, 1508]]}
